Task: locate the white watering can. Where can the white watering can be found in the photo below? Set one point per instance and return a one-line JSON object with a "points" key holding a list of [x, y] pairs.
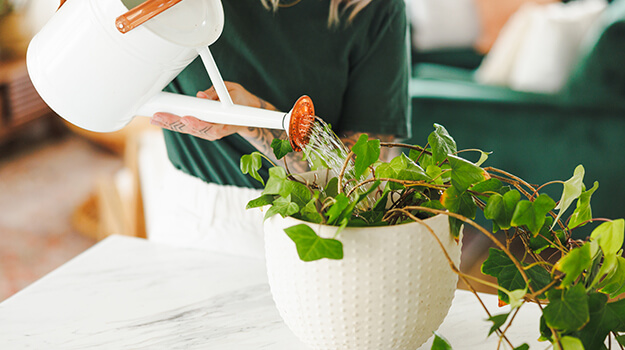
{"points": [[97, 65]]}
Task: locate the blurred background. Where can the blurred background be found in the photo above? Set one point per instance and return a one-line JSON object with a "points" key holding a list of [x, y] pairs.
{"points": [[539, 82]]}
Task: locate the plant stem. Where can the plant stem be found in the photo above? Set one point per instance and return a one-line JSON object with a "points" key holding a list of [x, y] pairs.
{"points": [[269, 160], [592, 220], [342, 173], [516, 312], [538, 260], [545, 288], [404, 145], [406, 183], [286, 166], [538, 263], [455, 269], [547, 184], [514, 177]]}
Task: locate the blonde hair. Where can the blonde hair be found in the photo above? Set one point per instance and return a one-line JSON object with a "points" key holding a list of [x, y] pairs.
{"points": [[333, 17]]}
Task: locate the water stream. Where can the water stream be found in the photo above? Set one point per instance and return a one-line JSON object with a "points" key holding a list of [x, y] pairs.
{"points": [[326, 150]]}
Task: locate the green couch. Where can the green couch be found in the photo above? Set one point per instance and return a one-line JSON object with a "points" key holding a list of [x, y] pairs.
{"points": [[540, 137]]}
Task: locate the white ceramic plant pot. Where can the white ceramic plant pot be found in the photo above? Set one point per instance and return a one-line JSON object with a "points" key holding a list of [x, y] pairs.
{"points": [[391, 290]]}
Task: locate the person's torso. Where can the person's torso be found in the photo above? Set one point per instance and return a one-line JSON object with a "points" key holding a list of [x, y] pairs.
{"points": [[277, 56]]}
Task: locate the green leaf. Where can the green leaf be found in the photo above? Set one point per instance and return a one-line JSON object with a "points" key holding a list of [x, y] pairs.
{"points": [[442, 144], [499, 265], [261, 201], [515, 297], [464, 173], [583, 211], [614, 285], [572, 190], [541, 241], [368, 218], [523, 346], [332, 187], [567, 310], [574, 263], [300, 194], [412, 174], [545, 331], [341, 226], [604, 318], [385, 170], [434, 205], [621, 339], [609, 266], [415, 155], [538, 244], [311, 247], [348, 209], [250, 164], [610, 236], [309, 212], [501, 208], [489, 187], [338, 207], [459, 203], [425, 160], [277, 177], [380, 204], [400, 162], [367, 153], [283, 206], [498, 321], [281, 147], [569, 343], [483, 157], [440, 343], [446, 174], [532, 214], [434, 172]]}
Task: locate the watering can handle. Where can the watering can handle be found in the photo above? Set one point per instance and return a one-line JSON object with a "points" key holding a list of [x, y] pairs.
{"points": [[140, 14]]}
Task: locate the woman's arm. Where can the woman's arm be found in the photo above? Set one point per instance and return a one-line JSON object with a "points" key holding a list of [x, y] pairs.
{"points": [[260, 138]]}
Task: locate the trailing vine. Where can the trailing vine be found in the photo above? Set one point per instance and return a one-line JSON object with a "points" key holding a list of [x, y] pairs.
{"points": [[576, 283]]}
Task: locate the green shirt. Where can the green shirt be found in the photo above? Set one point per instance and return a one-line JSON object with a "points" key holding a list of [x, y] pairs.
{"points": [[356, 75]]}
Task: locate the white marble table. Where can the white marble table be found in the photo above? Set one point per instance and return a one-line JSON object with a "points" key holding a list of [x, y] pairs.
{"points": [[128, 293]]}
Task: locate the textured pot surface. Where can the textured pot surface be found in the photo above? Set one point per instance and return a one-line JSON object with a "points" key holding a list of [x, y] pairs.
{"points": [[390, 291]]}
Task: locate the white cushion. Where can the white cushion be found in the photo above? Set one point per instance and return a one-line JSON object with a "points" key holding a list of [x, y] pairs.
{"points": [[551, 46], [498, 64], [538, 47], [442, 24]]}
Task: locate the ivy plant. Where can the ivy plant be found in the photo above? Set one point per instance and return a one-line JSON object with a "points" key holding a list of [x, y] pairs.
{"points": [[577, 282]]}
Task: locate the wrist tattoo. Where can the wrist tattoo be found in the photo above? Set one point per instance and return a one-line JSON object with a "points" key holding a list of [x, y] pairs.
{"points": [[263, 103]]}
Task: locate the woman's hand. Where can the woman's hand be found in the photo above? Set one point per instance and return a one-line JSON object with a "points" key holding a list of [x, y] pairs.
{"points": [[206, 130]]}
